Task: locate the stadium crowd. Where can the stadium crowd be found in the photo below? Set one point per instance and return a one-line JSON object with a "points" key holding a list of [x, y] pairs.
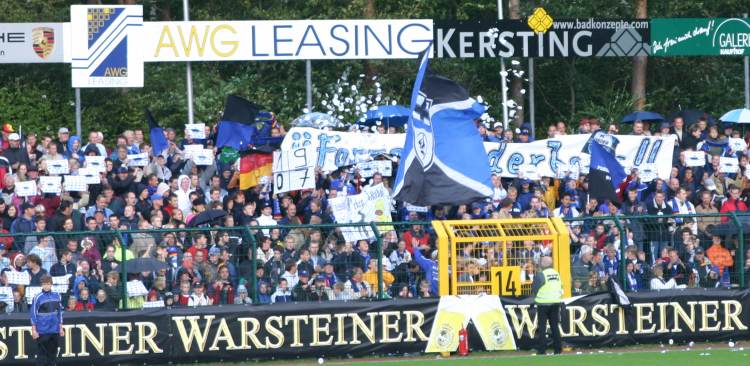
{"points": [[74, 234]]}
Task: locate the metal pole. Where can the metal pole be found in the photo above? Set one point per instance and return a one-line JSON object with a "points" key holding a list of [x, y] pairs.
{"points": [[747, 78], [189, 72], [308, 83], [532, 106], [78, 112], [503, 73]]}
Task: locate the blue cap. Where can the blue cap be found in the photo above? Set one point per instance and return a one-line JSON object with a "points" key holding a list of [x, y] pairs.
{"points": [[304, 273], [156, 196]]}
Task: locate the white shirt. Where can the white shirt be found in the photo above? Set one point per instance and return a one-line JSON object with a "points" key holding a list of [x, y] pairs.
{"points": [[199, 300], [264, 220]]}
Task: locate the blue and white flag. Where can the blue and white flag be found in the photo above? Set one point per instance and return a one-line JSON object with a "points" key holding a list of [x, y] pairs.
{"points": [[606, 172], [443, 161]]}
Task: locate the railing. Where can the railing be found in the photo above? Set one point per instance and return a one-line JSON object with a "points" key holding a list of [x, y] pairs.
{"points": [[246, 240], [653, 233]]}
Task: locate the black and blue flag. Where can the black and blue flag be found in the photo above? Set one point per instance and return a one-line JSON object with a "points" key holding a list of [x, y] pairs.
{"points": [[159, 142], [443, 161], [237, 126], [605, 172]]}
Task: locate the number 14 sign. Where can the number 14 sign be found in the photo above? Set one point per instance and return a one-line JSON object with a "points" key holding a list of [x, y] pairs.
{"points": [[506, 281]]}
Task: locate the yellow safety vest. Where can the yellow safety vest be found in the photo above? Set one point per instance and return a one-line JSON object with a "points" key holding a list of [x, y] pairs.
{"points": [[551, 292]]}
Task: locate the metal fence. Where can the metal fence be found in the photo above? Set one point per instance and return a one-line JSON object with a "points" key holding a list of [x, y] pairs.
{"points": [[618, 240], [252, 251]]}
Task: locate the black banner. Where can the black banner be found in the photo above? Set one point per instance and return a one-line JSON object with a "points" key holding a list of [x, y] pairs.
{"points": [[565, 38], [336, 329]]}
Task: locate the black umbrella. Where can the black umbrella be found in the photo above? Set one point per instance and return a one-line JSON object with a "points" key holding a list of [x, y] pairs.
{"points": [[139, 265], [206, 217]]}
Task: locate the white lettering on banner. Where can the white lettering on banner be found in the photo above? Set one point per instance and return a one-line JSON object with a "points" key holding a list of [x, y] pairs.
{"points": [[286, 40], [372, 205], [294, 169]]}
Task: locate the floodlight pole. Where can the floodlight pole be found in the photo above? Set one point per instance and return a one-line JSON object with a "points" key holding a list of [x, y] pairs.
{"points": [[503, 73], [189, 73], [532, 106]]}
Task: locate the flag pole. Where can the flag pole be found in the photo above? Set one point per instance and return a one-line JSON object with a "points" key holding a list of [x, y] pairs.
{"points": [[503, 73], [747, 78], [189, 73]]}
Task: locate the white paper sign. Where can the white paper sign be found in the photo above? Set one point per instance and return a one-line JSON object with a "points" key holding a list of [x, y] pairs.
{"points": [[31, 291], [204, 157], [60, 289], [192, 150], [368, 169], [51, 184], [61, 280], [729, 165], [647, 172], [584, 163], [18, 278], [75, 183], [58, 167], [372, 205], [96, 163], [747, 171], [294, 170], [737, 144], [196, 130], [529, 172], [26, 189], [153, 304], [695, 158], [136, 288], [138, 159], [91, 176], [6, 296], [411, 208]]}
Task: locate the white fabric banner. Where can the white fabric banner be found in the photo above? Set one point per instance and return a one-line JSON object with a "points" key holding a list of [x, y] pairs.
{"points": [[548, 155]]}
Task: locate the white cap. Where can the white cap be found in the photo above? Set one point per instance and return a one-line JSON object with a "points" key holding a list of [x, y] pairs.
{"points": [[14, 137]]}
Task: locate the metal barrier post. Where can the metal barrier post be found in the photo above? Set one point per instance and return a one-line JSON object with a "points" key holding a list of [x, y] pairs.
{"points": [[123, 272], [741, 247], [254, 263], [623, 245], [375, 230]]}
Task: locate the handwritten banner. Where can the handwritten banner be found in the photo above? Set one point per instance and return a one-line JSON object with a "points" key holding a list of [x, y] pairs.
{"points": [[372, 205], [336, 149], [294, 169]]}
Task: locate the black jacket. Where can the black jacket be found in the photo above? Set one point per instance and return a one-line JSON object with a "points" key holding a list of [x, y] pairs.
{"points": [[657, 229]]}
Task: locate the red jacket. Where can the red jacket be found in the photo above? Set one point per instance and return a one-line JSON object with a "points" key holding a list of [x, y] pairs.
{"points": [[88, 306], [731, 205], [423, 238]]}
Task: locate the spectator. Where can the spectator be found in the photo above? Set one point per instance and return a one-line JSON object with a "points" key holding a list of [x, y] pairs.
{"points": [[282, 294], [658, 229], [720, 257], [198, 297], [242, 296], [102, 302], [658, 282], [371, 277], [733, 203], [633, 279]]}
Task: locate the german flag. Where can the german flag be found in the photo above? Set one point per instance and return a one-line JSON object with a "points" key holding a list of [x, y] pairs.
{"points": [[253, 166]]}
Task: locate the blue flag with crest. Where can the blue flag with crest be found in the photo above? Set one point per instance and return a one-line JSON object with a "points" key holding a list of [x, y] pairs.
{"points": [[444, 160]]}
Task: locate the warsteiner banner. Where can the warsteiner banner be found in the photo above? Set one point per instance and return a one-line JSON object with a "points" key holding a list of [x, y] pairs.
{"points": [[337, 329]]}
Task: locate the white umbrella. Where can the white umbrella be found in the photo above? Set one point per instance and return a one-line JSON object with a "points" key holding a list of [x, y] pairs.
{"points": [[736, 116]]}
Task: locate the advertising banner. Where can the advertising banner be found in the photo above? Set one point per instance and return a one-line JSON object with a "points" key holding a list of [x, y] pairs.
{"points": [[32, 43], [286, 40], [563, 38], [106, 46], [700, 37], [363, 328]]}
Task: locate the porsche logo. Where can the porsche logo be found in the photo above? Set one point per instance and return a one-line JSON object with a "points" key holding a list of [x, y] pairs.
{"points": [[43, 41]]}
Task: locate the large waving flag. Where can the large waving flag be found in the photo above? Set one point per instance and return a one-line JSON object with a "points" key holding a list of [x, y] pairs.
{"points": [[237, 126], [159, 142], [443, 161], [605, 172], [255, 165]]}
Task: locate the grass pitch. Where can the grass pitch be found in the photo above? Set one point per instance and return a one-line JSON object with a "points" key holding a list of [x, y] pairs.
{"points": [[705, 356]]}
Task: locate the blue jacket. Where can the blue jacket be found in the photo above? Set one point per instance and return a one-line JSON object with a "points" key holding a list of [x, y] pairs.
{"points": [[46, 312], [430, 269]]}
